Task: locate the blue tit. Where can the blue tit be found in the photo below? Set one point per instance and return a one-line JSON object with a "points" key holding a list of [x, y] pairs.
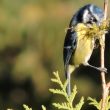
{"points": [[78, 49]]}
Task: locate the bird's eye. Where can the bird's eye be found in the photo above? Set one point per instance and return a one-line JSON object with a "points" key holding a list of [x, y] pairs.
{"points": [[93, 20]]}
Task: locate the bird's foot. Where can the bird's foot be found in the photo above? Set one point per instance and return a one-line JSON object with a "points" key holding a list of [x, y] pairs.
{"points": [[102, 69], [97, 68]]}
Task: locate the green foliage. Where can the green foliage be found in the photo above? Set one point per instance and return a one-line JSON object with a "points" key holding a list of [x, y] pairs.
{"points": [[94, 102], [68, 104], [69, 100], [43, 107], [97, 104], [26, 107]]}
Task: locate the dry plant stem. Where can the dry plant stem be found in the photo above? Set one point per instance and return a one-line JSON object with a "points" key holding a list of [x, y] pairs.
{"points": [[104, 92], [104, 85]]}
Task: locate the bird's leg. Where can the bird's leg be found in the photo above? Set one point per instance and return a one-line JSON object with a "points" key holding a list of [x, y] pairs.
{"points": [[97, 68]]}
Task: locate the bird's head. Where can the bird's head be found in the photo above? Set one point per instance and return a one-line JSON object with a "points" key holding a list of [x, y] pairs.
{"points": [[88, 14]]}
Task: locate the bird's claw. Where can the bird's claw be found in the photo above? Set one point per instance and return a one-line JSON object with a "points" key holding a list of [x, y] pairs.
{"points": [[103, 69]]}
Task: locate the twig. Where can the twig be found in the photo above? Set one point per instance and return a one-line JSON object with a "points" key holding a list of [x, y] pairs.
{"points": [[104, 85]]}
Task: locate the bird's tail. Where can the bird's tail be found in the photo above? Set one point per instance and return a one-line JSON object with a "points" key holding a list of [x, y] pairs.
{"points": [[68, 77], [69, 69]]}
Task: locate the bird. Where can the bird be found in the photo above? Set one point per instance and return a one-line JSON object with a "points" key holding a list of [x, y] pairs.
{"points": [[78, 49]]}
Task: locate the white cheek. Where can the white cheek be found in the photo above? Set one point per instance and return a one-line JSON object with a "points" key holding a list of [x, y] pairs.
{"points": [[85, 16]]}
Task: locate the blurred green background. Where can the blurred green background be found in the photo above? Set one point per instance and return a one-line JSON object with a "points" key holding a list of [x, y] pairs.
{"points": [[32, 34]]}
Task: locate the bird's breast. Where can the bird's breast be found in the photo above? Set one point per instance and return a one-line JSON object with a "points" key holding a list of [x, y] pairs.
{"points": [[83, 51]]}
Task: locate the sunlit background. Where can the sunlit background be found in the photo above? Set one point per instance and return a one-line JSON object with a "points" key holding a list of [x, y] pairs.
{"points": [[32, 34]]}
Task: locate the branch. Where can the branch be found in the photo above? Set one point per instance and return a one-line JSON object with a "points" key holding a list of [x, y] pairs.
{"points": [[104, 85]]}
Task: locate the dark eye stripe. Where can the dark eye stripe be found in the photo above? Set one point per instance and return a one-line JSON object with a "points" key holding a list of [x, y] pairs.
{"points": [[93, 19]]}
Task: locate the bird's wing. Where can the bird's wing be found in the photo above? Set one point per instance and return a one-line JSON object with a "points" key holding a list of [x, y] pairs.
{"points": [[70, 45]]}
